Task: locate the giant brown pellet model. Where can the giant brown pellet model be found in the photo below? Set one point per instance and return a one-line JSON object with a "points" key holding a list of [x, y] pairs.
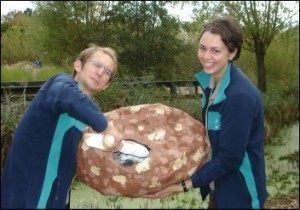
{"points": [[177, 149]]}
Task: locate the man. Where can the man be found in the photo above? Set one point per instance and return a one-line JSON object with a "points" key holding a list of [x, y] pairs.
{"points": [[41, 162]]}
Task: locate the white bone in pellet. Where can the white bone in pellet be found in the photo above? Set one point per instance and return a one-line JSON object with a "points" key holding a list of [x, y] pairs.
{"points": [[102, 142]]}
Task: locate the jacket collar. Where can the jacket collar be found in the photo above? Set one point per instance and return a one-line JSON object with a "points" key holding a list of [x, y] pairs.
{"points": [[206, 81]]}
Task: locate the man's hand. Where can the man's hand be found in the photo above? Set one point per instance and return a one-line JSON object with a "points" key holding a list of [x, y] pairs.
{"points": [[118, 137], [112, 137], [89, 129]]}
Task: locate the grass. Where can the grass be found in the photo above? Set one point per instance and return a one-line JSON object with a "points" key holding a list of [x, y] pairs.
{"points": [[85, 197], [25, 71]]}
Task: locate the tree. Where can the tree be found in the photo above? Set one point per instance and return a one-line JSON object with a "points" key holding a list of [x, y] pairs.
{"points": [[262, 21], [14, 40], [143, 33], [28, 11], [64, 28], [147, 35]]}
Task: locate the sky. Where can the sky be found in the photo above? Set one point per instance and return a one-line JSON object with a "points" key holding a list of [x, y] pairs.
{"points": [[7, 6]]}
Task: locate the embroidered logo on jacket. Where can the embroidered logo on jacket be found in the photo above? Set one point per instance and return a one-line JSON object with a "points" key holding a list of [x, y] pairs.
{"points": [[214, 121]]}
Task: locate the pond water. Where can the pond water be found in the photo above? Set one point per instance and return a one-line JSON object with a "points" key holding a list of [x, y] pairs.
{"points": [[282, 178], [283, 172]]}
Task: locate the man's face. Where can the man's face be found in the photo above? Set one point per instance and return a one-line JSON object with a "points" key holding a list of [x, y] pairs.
{"points": [[95, 74]]}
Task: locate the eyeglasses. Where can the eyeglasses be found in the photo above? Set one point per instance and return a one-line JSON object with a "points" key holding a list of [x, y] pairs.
{"points": [[99, 65]]}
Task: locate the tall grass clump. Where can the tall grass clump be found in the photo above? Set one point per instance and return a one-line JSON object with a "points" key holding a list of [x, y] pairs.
{"points": [[281, 107], [25, 71], [11, 113], [117, 96]]}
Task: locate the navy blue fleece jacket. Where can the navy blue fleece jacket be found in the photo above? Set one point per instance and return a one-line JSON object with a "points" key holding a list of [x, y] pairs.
{"points": [[42, 159], [235, 124]]}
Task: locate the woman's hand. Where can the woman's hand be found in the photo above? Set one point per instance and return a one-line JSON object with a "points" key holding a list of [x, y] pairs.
{"points": [[175, 188], [172, 189]]}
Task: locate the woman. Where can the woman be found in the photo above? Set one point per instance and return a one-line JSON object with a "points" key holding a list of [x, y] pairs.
{"points": [[233, 115]]}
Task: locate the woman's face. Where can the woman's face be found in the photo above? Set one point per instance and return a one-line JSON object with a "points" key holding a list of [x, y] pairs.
{"points": [[214, 55]]}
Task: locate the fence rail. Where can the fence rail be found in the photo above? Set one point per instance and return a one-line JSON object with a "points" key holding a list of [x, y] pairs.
{"points": [[177, 87]]}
